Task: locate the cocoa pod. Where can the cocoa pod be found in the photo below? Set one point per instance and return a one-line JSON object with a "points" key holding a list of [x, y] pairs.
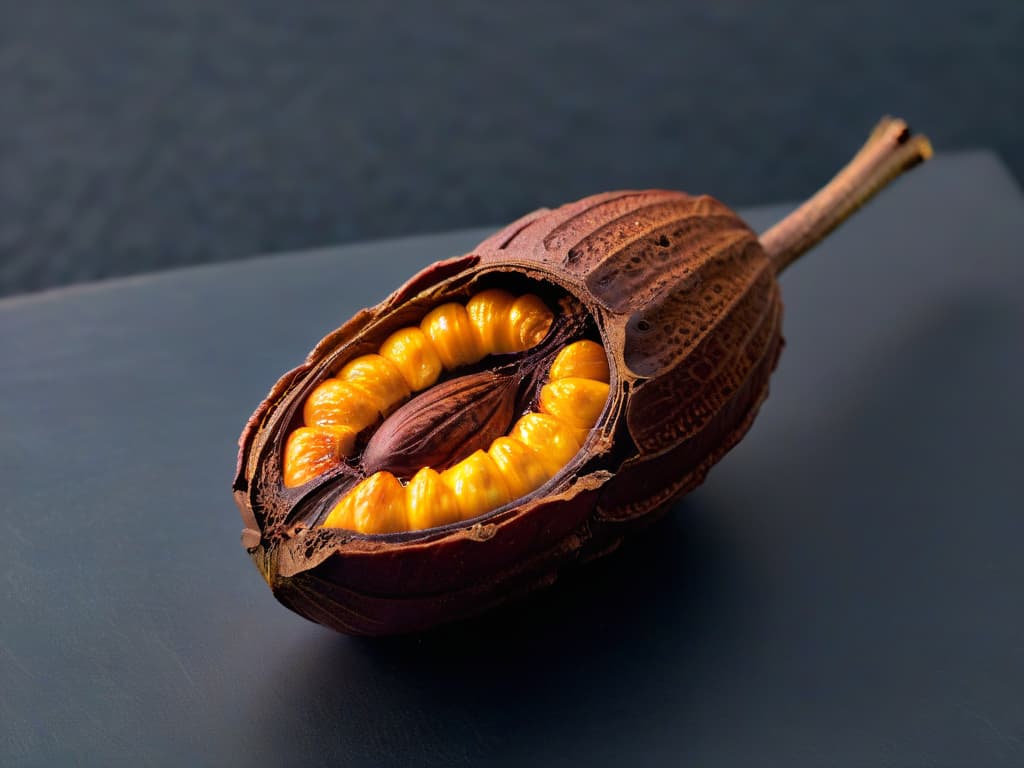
{"points": [[682, 296]]}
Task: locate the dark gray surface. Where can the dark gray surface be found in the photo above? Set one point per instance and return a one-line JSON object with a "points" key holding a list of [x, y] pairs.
{"points": [[142, 135], [846, 590]]}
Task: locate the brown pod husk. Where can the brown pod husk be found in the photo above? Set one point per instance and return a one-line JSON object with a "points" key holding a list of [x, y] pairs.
{"points": [[684, 298]]}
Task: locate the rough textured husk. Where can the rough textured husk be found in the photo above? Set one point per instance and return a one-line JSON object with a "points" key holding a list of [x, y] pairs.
{"points": [[686, 302]]}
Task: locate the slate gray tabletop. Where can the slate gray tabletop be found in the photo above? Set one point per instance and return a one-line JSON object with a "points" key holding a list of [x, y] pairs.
{"points": [[845, 590]]}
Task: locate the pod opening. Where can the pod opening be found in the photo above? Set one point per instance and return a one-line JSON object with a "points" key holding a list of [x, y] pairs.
{"points": [[482, 402]]}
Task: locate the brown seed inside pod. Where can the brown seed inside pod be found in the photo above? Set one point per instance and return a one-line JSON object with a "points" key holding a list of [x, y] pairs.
{"points": [[442, 425]]}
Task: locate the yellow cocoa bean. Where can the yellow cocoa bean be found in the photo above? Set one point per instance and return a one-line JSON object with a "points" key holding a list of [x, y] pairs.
{"points": [[374, 505], [311, 451], [429, 501], [529, 320], [553, 441], [379, 378], [488, 314], [574, 401], [414, 355], [581, 359], [522, 469], [450, 331], [339, 403], [477, 484]]}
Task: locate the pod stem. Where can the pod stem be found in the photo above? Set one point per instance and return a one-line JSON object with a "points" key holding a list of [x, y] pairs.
{"points": [[890, 150]]}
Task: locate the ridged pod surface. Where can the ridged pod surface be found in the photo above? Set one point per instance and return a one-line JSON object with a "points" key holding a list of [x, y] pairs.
{"points": [[681, 294]]}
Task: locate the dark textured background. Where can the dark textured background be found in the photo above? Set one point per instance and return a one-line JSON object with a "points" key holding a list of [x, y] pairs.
{"points": [[144, 135]]}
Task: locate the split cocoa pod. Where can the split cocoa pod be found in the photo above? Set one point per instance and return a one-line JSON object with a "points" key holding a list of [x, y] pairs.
{"points": [[520, 409]]}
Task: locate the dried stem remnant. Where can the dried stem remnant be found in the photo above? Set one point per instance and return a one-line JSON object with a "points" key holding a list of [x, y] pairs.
{"points": [[890, 150]]}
